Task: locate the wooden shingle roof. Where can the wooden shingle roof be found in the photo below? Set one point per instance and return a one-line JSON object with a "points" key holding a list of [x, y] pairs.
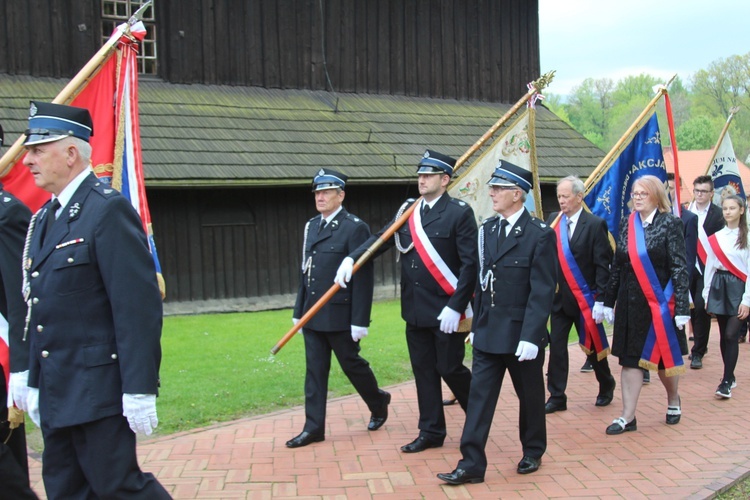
{"points": [[213, 135]]}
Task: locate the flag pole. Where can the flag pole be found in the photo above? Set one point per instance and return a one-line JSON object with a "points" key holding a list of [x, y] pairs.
{"points": [[534, 87], [598, 171], [70, 91], [732, 112]]}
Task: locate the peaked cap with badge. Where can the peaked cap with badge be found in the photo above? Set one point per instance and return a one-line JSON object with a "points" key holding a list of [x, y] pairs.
{"points": [[52, 122], [507, 174], [328, 179], [433, 162]]}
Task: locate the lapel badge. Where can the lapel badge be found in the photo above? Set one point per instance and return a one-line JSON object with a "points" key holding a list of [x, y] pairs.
{"points": [[6, 199], [108, 191], [334, 223], [75, 208], [517, 230]]}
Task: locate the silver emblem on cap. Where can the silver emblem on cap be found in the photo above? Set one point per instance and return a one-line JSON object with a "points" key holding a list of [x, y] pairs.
{"points": [[426, 154], [321, 172], [32, 110]]}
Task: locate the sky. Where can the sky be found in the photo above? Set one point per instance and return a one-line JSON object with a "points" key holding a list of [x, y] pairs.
{"points": [[615, 38]]}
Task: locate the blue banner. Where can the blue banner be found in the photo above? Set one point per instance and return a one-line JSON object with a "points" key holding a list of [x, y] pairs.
{"points": [[609, 197]]}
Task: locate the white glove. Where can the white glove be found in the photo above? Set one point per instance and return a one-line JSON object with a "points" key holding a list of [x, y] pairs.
{"points": [[598, 312], [526, 351], [609, 315], [140, 410], [18, 389], [471, 338], [344, 272], [449, 320], [358, 333], [32, 405], [295, 321], [681, 321]]}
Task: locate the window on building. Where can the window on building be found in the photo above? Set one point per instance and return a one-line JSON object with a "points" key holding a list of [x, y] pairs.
{"points": [[116, 12]]}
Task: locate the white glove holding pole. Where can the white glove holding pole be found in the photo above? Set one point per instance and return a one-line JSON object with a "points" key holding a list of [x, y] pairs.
{"points": [[344, 272], [681, 321], [358, 333], [140, 410], [609, 315], [598, 312], [32, 406], [471, 338], [526, 351], [18, 390], [449, 320]]}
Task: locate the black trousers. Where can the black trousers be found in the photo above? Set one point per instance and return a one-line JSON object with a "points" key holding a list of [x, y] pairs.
{"points": [[559, 364], [699, 318], [318, 347], [95, 460], [436, 355], [488, 372]]}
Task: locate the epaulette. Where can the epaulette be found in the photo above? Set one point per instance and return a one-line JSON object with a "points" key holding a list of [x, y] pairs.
{"points": [[460, 203], [104, 189], [354, 218], [539, 223], [491, 219]]}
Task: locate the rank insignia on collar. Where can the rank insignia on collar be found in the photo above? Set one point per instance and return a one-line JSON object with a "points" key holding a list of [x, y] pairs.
{"points": [[108, 191], [335, 223], [517, 230], [74, 209], [6, 199]]}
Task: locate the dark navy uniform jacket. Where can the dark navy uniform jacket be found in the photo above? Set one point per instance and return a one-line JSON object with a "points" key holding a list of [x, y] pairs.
{"points": [[323, 254], [14, 221], [452, 230], [96, 313], [524, 276]]}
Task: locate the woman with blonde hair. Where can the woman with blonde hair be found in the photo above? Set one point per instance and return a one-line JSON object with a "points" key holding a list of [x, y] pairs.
{"points": [[648, 271]]}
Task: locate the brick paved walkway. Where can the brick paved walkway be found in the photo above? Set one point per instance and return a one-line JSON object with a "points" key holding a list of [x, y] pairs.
{"points": [[706, 452]]}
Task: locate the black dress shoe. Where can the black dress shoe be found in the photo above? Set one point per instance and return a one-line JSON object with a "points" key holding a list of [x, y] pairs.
{"points": [[605, 397], [420, 444], [527, 465], [697, 362], [460, 476], [377, 419], [304, 439], [619, 426], [552, 407], [450, 402]]}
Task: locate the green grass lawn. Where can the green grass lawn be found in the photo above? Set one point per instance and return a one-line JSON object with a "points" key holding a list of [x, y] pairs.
{"points": [[218, 367]]}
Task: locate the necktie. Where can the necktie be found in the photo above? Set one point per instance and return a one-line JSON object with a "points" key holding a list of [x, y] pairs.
{"points": [[570, 229], [49, 218], [322, 225], [425, 209], [501, 234]]}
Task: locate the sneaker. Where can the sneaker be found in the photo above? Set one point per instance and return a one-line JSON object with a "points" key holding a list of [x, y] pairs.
{"points": [[734, 383], [587, 368], [724, 390]]}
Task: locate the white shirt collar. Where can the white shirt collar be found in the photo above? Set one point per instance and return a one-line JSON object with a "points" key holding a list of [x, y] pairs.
{"points": [[332, 216], [512, 219], [68, 191], [650, 218], [431, 204], [574, 218]]}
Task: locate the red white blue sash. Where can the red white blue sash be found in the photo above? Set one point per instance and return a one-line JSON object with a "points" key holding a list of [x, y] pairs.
{"points": [[661, 341], [432, 259], [719, 252], [590, 334]]}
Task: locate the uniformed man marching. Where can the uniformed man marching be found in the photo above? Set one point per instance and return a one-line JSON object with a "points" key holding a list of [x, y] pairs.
{"points": [[343, 321], [95, 318], [438, 273]]}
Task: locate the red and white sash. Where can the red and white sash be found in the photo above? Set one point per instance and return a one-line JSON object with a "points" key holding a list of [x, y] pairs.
{"points": [[432, 259], [722, 257]]}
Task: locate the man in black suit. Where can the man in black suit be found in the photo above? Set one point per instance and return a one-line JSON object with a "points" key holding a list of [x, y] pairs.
{"points": [[517, 278], [14, 356], [591, 253], [95, 318], [710, 220], [343, 321], [690, 227], [438, 273]]}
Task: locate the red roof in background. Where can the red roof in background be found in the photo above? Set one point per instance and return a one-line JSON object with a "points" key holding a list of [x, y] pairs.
{"points": [[693, 164]]}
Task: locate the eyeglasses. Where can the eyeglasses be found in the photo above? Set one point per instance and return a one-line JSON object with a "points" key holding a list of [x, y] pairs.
{"points": [[639, 195], [702, 191]]}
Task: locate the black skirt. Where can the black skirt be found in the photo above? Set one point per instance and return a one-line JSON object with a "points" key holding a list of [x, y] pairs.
{"points": [[725, 294]]}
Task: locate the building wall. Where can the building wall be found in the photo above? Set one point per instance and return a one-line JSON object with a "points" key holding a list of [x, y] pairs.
{"points": [[454, 49]]}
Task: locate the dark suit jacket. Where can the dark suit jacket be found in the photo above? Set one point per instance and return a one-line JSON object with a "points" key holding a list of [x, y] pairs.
{"points": [[14, 221], [452, 230], [714, 221], [350, 305], [593, 254], [96, 316], [525, 275], [690, 228]]}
